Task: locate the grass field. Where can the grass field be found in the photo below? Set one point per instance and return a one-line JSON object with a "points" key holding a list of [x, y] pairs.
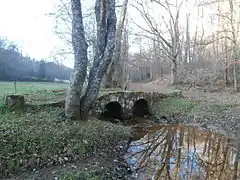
{"points": [[32, 89], [39, 92]]}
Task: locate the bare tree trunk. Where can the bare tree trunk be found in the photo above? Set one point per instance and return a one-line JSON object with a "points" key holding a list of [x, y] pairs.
{"points": [[114, 75], [77, 108], [187, 43], [106, 33], [235, 75], [226, 73], [226, 62], [173, 72], [161, 73], [234, 46], [125, 56], [80, 67]]}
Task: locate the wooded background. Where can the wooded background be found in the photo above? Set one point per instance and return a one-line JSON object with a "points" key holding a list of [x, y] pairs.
{"points": [[14, 66], [189, 43]]}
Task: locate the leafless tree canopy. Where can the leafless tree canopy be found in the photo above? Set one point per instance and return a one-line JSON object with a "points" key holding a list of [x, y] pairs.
{"points": [[187, 43]]}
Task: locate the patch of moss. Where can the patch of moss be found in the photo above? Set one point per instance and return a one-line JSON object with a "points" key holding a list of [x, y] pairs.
{"points": [[35, 140]]}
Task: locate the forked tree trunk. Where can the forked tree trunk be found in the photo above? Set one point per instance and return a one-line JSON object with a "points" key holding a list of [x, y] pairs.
{"points": [[79, 44], [114, 76], [106, 33]]}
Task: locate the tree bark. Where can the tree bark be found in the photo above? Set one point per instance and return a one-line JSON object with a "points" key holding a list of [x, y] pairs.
{"points": [[226, 62], [106, 33], [234, 40], [114, 75], [187, 43], [79, 44], [173, 73], [77, 108], [161, 73], [125, 56]]}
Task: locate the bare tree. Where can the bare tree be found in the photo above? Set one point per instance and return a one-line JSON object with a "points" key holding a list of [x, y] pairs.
{"points": [[115, 73], [63, 21], [234, 43], [187, 53], [170, 46], [105, 42]]}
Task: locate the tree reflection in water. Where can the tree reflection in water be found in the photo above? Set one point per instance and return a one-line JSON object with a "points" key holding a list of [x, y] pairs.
{"points": [[184, 153]]}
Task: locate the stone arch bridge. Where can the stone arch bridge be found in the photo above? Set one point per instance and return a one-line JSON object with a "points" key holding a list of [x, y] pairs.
{"points": [[126, 104]]}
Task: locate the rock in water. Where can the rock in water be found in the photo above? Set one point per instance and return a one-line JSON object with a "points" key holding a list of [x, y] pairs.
{"points": [[15, 102]]}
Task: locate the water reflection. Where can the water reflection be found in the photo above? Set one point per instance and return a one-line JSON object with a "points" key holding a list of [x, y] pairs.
{"points": [[184, 153]]}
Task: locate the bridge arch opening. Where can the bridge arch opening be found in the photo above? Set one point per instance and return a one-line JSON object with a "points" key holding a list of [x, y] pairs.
{"points": [[140, 108], [113, 110]]}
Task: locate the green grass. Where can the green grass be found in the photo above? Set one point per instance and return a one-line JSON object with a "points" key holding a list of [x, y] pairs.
{"points": [[29, 87], [83, 175], [36, 140], [217, 107], [173, 106], [187, 109], [41, 92], [43, 97]]}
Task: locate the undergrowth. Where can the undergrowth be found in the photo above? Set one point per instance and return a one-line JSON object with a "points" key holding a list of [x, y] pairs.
{"points": [[35, 140]]}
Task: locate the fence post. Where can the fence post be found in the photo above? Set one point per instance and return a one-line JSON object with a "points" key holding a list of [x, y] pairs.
{"points": [[15, 87]]}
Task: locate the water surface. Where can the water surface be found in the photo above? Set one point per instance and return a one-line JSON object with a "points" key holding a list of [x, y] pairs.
{"points": [[182, 152]]}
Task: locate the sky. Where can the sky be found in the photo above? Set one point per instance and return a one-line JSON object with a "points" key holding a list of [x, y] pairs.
{"points": [[26, 23]]}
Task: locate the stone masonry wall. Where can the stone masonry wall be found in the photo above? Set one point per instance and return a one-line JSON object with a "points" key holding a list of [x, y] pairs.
{"points": [[126, 99]]}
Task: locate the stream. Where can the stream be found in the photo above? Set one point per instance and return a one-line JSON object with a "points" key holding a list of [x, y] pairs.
{"points": [[181, 152]]}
